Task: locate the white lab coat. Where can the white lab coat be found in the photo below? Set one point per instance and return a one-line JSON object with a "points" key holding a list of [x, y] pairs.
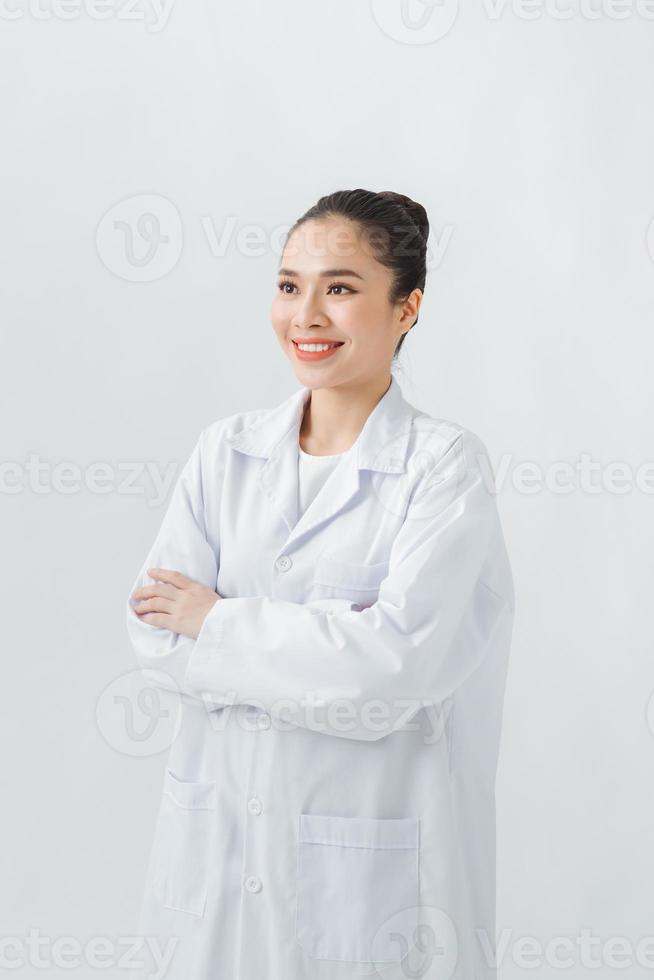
{"points": [[328, 805]]}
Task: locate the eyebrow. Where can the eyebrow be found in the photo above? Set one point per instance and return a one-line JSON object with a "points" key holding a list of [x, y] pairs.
{"points": [[325, 273]]}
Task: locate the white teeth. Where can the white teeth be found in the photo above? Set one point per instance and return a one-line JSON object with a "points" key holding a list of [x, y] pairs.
{"points": [[316, 347]]}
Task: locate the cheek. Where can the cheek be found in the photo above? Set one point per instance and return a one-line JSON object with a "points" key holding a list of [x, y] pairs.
{"points": [[279, 318], [364, 323], [355, 316]]}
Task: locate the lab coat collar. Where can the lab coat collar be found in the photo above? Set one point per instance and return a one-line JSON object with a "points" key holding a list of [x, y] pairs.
{"points": [[381, 445]]}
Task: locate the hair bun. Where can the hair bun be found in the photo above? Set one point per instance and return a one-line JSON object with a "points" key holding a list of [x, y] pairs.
{"points": [[415, 211]]}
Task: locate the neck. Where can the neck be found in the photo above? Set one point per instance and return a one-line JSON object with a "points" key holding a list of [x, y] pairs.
{"points": [[334, 417]]}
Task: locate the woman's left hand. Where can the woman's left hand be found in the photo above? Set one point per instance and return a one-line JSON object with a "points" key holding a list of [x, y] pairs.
{"points": [[175, 602]]}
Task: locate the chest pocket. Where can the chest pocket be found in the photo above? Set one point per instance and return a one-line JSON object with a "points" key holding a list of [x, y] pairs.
{"points": [[335, 578], [355, 877], [183, 844]]}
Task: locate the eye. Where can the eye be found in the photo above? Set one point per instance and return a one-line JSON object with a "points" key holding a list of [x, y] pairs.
{"points": [[283, 283]]}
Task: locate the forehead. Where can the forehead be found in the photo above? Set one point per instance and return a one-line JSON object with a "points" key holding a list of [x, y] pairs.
{"points": [[333, 241]]}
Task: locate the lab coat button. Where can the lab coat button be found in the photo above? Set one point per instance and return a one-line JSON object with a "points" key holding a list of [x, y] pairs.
{"points": [[263, 721], [255, 806], [253, 884], [283, 563]]}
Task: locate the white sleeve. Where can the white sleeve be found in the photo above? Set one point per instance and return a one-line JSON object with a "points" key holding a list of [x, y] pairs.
{"points": [[181, 544], [339, 671]]}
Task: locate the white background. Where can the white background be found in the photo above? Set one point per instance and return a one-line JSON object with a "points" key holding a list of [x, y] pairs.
{"points": [[526, 132]]}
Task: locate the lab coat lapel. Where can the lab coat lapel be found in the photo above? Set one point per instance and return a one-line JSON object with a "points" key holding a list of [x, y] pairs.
{"points": [[335, 493], [274, 437], [381, 446], [279, 479]]}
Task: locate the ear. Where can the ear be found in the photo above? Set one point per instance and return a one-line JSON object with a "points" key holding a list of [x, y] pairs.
{"points": [[410, 308]]}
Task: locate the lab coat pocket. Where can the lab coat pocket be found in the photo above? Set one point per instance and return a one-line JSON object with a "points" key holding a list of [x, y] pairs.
{"points": [[354, 875], [336, 578], [185, 834]]}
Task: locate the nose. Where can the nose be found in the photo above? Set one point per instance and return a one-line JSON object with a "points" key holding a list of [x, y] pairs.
{"points": [[309, 311]]}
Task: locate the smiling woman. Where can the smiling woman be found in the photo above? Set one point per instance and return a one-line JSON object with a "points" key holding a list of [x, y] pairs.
{"points": [[378, 276], [331, 596]]}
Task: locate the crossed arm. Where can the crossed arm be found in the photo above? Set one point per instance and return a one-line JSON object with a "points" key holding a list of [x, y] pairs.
{"points": [[267, 651]]}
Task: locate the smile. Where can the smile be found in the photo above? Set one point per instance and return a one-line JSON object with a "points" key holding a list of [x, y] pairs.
{"points": [[316, 352]]}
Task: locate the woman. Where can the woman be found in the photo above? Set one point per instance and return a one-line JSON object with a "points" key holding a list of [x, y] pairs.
{"points": [[331, 596]]}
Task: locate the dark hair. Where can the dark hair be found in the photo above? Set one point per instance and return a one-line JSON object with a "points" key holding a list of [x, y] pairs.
{"points": [[397, 228]]}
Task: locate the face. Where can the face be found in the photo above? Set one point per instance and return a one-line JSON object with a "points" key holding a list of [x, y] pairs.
{"points": [[331, 288]]}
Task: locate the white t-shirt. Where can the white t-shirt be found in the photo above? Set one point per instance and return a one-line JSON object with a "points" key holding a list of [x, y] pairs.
{"points": [[312, 473]]}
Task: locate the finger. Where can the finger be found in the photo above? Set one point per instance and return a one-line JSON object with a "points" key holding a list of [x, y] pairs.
{"points": [[171, 576], [161, 589], [155, 604], [158, 619]]}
